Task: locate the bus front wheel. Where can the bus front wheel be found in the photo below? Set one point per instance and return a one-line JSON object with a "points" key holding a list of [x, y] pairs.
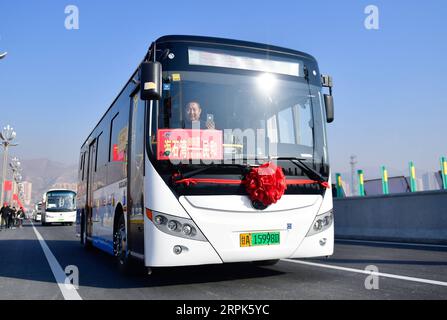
{"points": [[126, 264], [120, 245]]}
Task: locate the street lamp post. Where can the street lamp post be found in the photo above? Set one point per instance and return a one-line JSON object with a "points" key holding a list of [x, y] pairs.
{"points": [[6, 135], [17, 177]]}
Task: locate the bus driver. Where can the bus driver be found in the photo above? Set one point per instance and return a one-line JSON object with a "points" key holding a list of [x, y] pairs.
{"points": [[193, 112]]}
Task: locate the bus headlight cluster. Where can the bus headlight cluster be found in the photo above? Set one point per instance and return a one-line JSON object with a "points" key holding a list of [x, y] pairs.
{"points": [[187, 229], [172, 225], [177, 226], [321, 223], [159, 219]]}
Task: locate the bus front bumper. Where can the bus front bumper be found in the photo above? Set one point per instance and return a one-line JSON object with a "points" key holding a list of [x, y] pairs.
{"points": [[60, 217], [223, 230]]}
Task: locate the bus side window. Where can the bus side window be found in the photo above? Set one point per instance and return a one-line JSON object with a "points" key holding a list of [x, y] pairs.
{"points": [[80, 161], [111, 136], [102, 150], [97, 150], [118, 143], [83, 165], [118, 147]]}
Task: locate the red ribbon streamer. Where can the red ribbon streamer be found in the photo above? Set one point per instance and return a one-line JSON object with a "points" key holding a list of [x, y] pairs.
{"points": [[189, 181], [265, 184], [299, 182], [194, 181]]}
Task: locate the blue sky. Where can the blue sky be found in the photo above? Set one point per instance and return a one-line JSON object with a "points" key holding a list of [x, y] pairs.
{"points": [[390, 83]]}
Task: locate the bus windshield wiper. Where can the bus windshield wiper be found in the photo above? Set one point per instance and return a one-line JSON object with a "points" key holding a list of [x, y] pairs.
{"points": [[311, 173], [207, 167]]}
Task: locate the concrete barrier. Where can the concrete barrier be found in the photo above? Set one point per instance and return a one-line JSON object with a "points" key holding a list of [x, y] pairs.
{"points": [[419, 217]]}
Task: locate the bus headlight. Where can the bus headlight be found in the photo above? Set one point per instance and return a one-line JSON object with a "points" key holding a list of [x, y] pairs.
{"points": [[172, 225], [187, 229], [159, 219], [318, 225], [177, 226], [321, 223]]}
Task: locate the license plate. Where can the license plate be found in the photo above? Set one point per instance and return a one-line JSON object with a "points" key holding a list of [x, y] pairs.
{"points": [[259, 239]]}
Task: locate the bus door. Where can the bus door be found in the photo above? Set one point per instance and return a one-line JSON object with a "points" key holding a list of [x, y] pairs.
{"points": [[91, 157], [135, 169]]}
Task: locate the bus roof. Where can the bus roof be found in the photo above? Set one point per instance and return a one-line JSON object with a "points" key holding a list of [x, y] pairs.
{"points": [[231, 42], [58, 190]]}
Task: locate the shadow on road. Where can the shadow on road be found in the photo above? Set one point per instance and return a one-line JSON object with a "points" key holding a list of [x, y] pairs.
{"points": [[110, 277], [24, 259]]}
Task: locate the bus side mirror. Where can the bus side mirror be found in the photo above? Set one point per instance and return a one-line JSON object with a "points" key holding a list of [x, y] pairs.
{"points": [[326, 81], [329, 104], [150, 79]]}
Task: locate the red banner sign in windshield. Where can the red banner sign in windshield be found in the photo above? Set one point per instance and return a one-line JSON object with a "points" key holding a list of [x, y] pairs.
{"points": [[185, 144]]}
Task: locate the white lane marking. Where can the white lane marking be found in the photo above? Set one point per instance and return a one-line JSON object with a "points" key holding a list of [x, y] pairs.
{"points": [[380, 274], [68, 290], [396, 243]]}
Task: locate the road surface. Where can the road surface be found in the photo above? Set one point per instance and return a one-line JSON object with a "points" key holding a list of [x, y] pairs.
{"points": [[33, 260]]}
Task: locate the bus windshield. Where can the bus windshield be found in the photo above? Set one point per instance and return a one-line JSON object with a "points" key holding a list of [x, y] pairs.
{"points": [[61, 201], [258, 116]]}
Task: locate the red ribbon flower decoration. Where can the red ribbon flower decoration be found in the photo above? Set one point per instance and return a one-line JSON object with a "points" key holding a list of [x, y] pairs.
{"points": [[265, 183]]}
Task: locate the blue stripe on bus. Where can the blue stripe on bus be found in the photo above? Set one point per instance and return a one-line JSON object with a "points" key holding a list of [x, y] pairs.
{"points": [[103, 244]]}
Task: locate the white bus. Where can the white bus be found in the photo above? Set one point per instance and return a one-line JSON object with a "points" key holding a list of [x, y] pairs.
{"points": [[59, 206], [214, 151]]}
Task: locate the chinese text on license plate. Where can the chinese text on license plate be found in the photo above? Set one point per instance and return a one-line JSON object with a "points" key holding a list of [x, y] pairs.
{"points": [[258, 239]]}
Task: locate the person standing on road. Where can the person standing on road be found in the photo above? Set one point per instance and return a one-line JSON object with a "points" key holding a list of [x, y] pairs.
{"points": [[4, 216], [8, 216], [12, 217], [20, 217]]}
